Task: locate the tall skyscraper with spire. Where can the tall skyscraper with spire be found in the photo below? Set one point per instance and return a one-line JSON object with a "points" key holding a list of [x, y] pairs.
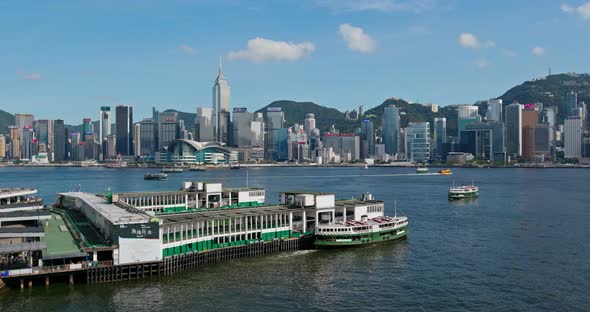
{"points": [[221, 94]]}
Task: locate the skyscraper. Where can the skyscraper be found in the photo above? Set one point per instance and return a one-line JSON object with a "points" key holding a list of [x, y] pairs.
{"points": [[440, 136], [59, 140], [124, 133], [367, 139], [467, 114], [418, 141], [494, 110], [572, 131], [571, 103], [167, 128], [148, 137], [275, 120], [309, 123], [361, 111], [514, 130], [104, 129], [15, 141], [204, 125], [391, 125], [530, 116], [137, 139], [41, 128], [242, 135], [221, 93], [2, 146]]}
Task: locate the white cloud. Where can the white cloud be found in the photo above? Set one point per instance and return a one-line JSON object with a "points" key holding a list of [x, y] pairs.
{"points": [[468, 40], [482, 63], [583, 10], [31, 76], [261, 49], [187, 49], [376, 5], [357, 39], [538, 50]]}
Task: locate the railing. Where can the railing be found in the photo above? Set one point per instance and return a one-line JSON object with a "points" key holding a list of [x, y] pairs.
{"points": [[55, 268]]}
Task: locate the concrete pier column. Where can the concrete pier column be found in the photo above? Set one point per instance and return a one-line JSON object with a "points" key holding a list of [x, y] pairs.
{"points": [[22, 284], [30, 283], [290, 221], [304, 222], [71, 279], [47, 281]]}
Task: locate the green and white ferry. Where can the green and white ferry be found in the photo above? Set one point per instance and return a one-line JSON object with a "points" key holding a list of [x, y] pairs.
{"points": [[463, 192], [372, 227]]}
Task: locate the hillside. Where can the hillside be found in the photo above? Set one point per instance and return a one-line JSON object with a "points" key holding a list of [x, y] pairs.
{"points": [[6, 119], [295, 113], [551, 91]]}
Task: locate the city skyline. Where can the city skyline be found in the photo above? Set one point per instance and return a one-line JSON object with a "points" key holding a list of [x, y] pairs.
{"points": [[163, 55]]}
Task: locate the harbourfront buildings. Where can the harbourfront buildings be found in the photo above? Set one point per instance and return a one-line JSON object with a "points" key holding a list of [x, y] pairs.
{"points": [[418, 141], [466, 114], [440, 136], [572, 131], [494, 112]]}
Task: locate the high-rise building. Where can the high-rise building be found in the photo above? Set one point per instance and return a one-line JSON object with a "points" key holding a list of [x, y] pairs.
{"points": [[309, 123], [571, 103], [485, 140], [24, 120], [367, 139], [204, 125], [242, 135], [542, 137], [572, 132], [148, 137], [418, 141], [514, 130], [167, 129], [27, 142], [111, 149], [86, 127], [391, 125], [494, 110], [124, 133], [221, 94], [361, 111], [275, 120], [530, 115], [137, 139], [76, 141], [15, 141], [104, 127], [440, 136], [2, 146], [466, 115], [59, 140], [41, 128], [343, 144]]}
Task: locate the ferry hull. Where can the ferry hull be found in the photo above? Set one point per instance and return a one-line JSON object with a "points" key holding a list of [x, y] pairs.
{"points": [[463, 196], [365, 241]]}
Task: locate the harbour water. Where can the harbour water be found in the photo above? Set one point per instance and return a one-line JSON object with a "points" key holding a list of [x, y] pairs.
{"points": [[524, 244]]}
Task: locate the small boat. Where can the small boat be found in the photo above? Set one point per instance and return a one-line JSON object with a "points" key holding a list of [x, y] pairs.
{"points": [[422, 170], [445, 171], [463, 192], [171, 170], [197, 169], [234, 167], [155, 176], [366, 167]]}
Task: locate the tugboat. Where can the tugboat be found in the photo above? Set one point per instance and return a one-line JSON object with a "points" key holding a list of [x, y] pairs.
{"points": [[422, 170], [155, 176], [463, 192], [367, 231], [445, 171]]}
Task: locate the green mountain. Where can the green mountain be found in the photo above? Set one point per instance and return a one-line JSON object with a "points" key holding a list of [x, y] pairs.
{"points": [[551, 91], [295, 113], [6, 119]]}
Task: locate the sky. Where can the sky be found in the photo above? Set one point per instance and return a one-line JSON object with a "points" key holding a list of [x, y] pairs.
{"points": [[65, 59]]}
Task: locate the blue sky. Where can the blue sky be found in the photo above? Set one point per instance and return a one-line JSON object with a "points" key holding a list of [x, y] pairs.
{"points": [[65, 59]]}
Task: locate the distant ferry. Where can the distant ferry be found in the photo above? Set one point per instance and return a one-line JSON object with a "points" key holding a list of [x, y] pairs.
{"points": [[445, 171], [155, 176], [197, 169], [463, 192], [367, 231], [171, 170], [422, 170]]}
